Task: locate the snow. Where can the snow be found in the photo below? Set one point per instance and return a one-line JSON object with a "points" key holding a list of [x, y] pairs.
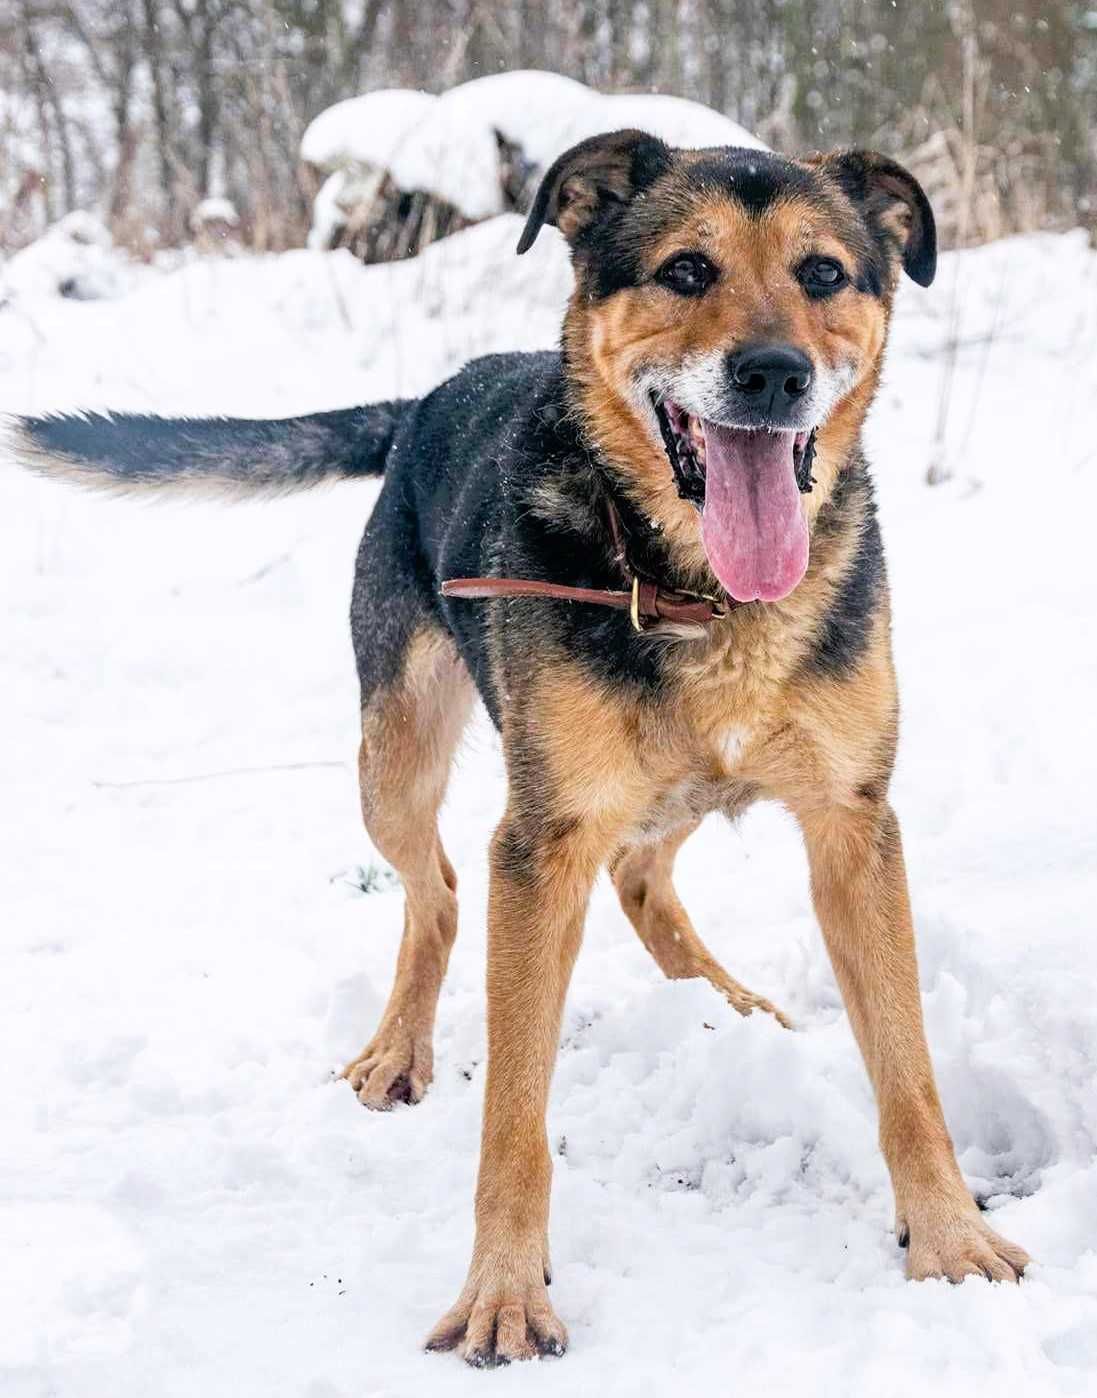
{"points": [[535, 110], [675, 120], [302, 330], [328, 215], [190, 1203], [215, 209], [545, 113], [75, 257], [422, 143], [446, 145], [358, 127]]}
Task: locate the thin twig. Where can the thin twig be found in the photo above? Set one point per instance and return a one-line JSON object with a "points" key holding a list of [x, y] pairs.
{"points": [[213, 776]]}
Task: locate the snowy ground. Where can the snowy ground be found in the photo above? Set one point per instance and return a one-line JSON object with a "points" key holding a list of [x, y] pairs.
{"points": [[190, 1204]]}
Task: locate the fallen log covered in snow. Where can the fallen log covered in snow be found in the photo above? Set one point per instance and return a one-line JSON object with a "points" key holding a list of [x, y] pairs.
{"points": [[405, 168]]}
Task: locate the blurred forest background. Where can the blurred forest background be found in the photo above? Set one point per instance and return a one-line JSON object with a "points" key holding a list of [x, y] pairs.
{"points": [[138, 109]]}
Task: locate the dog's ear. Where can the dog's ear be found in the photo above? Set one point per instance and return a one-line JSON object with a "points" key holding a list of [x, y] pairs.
{"points": [[894, 205], [593, 181]]}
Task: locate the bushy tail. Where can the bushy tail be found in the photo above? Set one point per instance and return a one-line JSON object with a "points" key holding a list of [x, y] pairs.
{"points": [[238, 455]]}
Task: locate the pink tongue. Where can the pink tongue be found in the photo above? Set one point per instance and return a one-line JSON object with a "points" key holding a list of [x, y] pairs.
{"points": [[752, 526]]}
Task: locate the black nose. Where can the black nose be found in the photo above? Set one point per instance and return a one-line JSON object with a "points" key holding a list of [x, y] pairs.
{"points": [[774, 376]]}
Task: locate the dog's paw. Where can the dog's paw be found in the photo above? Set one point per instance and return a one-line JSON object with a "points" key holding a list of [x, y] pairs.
{"points": [[746, 1002], [395, 1066], [957, 1246], [497, 1320]]}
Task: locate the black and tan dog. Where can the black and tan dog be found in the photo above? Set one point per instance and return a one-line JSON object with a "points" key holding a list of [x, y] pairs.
{"points": [[682, 609]]}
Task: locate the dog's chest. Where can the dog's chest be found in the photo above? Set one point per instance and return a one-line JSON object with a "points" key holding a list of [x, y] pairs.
{"points": [[691, 799], [730, 745], [716, 779], [727, 713], [734, 696]]}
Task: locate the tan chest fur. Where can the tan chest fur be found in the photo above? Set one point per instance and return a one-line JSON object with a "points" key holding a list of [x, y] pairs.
{"points": [[742, 720]]}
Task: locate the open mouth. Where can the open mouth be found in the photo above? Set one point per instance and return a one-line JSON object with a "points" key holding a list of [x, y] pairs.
{"points": [[747, 483]]}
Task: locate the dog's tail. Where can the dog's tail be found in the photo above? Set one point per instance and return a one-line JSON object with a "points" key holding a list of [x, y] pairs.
{"points": [[235, 455]]}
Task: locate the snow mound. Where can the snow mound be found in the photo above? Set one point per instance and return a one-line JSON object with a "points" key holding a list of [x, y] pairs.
{"points": [[364, 128], [675, 120], [215, 210], [328, 211], [389, 329], [545, 113], [537, 111], [446, 146], [421, 143], [75, 258]]}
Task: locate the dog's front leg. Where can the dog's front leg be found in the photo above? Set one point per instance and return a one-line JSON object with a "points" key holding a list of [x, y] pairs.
{"points": [[540, 882], [860, 891]]}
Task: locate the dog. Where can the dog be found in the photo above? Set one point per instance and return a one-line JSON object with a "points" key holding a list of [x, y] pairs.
{"points": [[655, 557]]}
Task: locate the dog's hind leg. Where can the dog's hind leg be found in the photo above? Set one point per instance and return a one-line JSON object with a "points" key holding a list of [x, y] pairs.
{"points": [[642, 875], [410, 729]]}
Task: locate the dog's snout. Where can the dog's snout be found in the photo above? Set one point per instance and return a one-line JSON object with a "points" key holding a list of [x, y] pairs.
{"points": [[771, 376]]}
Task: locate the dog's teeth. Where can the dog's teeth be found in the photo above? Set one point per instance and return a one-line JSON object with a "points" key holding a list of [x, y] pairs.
{"points": [[697, 439]]}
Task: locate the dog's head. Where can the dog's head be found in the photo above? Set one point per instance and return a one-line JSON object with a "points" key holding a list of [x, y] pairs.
{"points": [[729, 318]]}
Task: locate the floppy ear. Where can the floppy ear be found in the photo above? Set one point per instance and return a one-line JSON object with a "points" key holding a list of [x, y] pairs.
{"points": [[592, 181], [894, 204]]}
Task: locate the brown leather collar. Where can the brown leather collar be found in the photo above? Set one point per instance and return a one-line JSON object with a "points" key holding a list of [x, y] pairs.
{"points": [[645, 601]]}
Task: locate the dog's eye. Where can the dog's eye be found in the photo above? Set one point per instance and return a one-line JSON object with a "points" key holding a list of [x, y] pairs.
{"points": [[687, 273], [821, 276]]}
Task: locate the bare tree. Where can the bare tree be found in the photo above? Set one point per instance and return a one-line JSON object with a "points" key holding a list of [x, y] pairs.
{"points": [[139, 108]]}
